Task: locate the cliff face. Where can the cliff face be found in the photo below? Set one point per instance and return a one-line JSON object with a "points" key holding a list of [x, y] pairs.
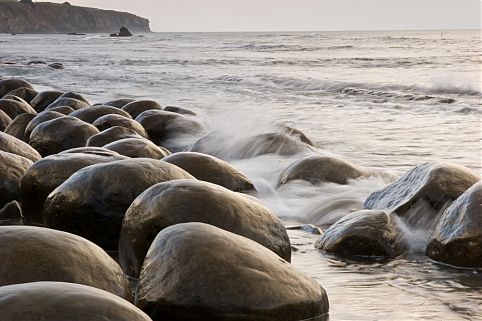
{"points": [[46, 17]]}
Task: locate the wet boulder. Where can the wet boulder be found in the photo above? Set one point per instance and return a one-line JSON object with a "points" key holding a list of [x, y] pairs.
{"points": [[18, 125], [231, 278], [5, 120], [320, 169], [13, 108], [93, 201], [119, 103], [41, 254], [365, 233], [433, 185], [457, 238], [11, 144], [74, 95], [8, 85], [46, 175], [54, 301], [183, 201], [25, 93], [44, 99], [54, 136], [66, 110], [138, 148], [112, 134], [75, 104], [108, 121], [179, 110], [12, 168], [295, 133], [91, 114], [211, 169], [137, 107], [40, 118]]}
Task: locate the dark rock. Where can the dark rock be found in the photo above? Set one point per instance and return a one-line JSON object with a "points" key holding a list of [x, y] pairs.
{"points": [[11, 214], [108, 121], [119, 103], [44, 99], [91, 114], [54, 301], [138, 148], [71, 102], [111, 135], [231, 278], [364, 233], [18, 125], [457, 238], [164, 125], [137, 107], [49, 255], [8, 85], [101, 151], [12, 168], [56, 135], [436, 184], [179, 110], [5, 120], [183, 201], [49, 173], [11, 144], [295, 133], [93, 201], [211, 169], [39, 119], [56, 65], [73, 95], [66, 110], [13, 108], [320, 169], [25, 93], [36, 62], [123, 32]]}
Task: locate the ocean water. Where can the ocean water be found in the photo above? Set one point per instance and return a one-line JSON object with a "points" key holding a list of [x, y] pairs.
{"points": [[386, 100]]}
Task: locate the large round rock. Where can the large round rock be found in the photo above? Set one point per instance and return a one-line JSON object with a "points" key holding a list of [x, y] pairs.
{"points": [[12, 168], [54, 301], [182, 201], [54, 136], [93, 201], [319, 169], [18, 125], [40, 118], [108, 121], [5, 120], [230, 278], [457, 239], [71, 102], [111, 135], [13, 108], [135, 108], [431, 184], [138, 148], [47, 174], [211, 169], [11, 144], [119, 103], [31, 254], [25, 93], [90, 114], [8, 85], [364, 233], [44, 98]]}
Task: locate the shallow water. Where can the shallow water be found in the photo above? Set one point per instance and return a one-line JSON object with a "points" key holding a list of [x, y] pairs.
{"points": [[385, 100]]}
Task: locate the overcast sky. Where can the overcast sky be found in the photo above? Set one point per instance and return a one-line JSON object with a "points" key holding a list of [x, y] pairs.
{"points": [[294, 15]]}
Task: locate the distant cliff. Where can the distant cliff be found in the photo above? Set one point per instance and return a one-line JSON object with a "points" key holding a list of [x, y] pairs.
{"points": [[46, 17]]}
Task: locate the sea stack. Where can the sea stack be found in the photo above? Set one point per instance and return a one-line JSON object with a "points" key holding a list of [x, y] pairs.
{"points": [[123, 32]]}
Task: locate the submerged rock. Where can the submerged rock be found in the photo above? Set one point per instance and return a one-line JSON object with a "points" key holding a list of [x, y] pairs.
{"points": [[54, 136], [437, 184], [319, 169], [211, 169], [47, 174], [92, 202], [49, 255], [111, 135], [231, 278], [54, 301], [182, 201], [11, 144], [12, 168], [138, 148], [457, 239], [364, 233]]}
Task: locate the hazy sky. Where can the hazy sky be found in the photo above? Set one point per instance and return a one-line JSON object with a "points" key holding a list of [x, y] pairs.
{"points": [[291, 15]]}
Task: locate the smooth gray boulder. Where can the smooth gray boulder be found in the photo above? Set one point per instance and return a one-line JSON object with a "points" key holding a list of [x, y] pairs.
{"points": [[44, 99], [135, 108], [13, 108], [111, 135], [11, 144], [108, 121], [91, 114], [12, 168], [5, 120], [138, 148], [7, 85], [18, 125]]}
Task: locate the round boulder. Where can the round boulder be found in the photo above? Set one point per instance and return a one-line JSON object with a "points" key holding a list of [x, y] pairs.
{"points": [[138, 148], [457, 238], [11, 144], [93, 201], [54, 136], [364, 233], [8, 85], [41, 254], [230, 278], [73, 95], [44, 98], [25, 93], [211, 169], [13, 108], [182, 201], [5, 120], [108, 121], [40, 118], [54, 301], [18, 125], [66, 110], [12, 168], [71, 102], [112, 134], [44, 176], [119, 103], [180, 110], [137, 107], [90, 114]]}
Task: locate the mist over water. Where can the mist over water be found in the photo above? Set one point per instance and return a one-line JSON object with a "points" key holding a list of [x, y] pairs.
{"points": [[386, 101]]}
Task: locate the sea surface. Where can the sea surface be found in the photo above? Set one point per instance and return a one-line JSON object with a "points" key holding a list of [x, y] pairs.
{"points": [[387, 100]]}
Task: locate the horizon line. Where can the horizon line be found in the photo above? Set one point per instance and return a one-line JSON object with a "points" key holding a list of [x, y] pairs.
{"points": [[326, 30]]}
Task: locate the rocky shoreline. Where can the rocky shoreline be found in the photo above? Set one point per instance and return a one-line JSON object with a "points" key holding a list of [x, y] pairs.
{"points": [[108, 210]]}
